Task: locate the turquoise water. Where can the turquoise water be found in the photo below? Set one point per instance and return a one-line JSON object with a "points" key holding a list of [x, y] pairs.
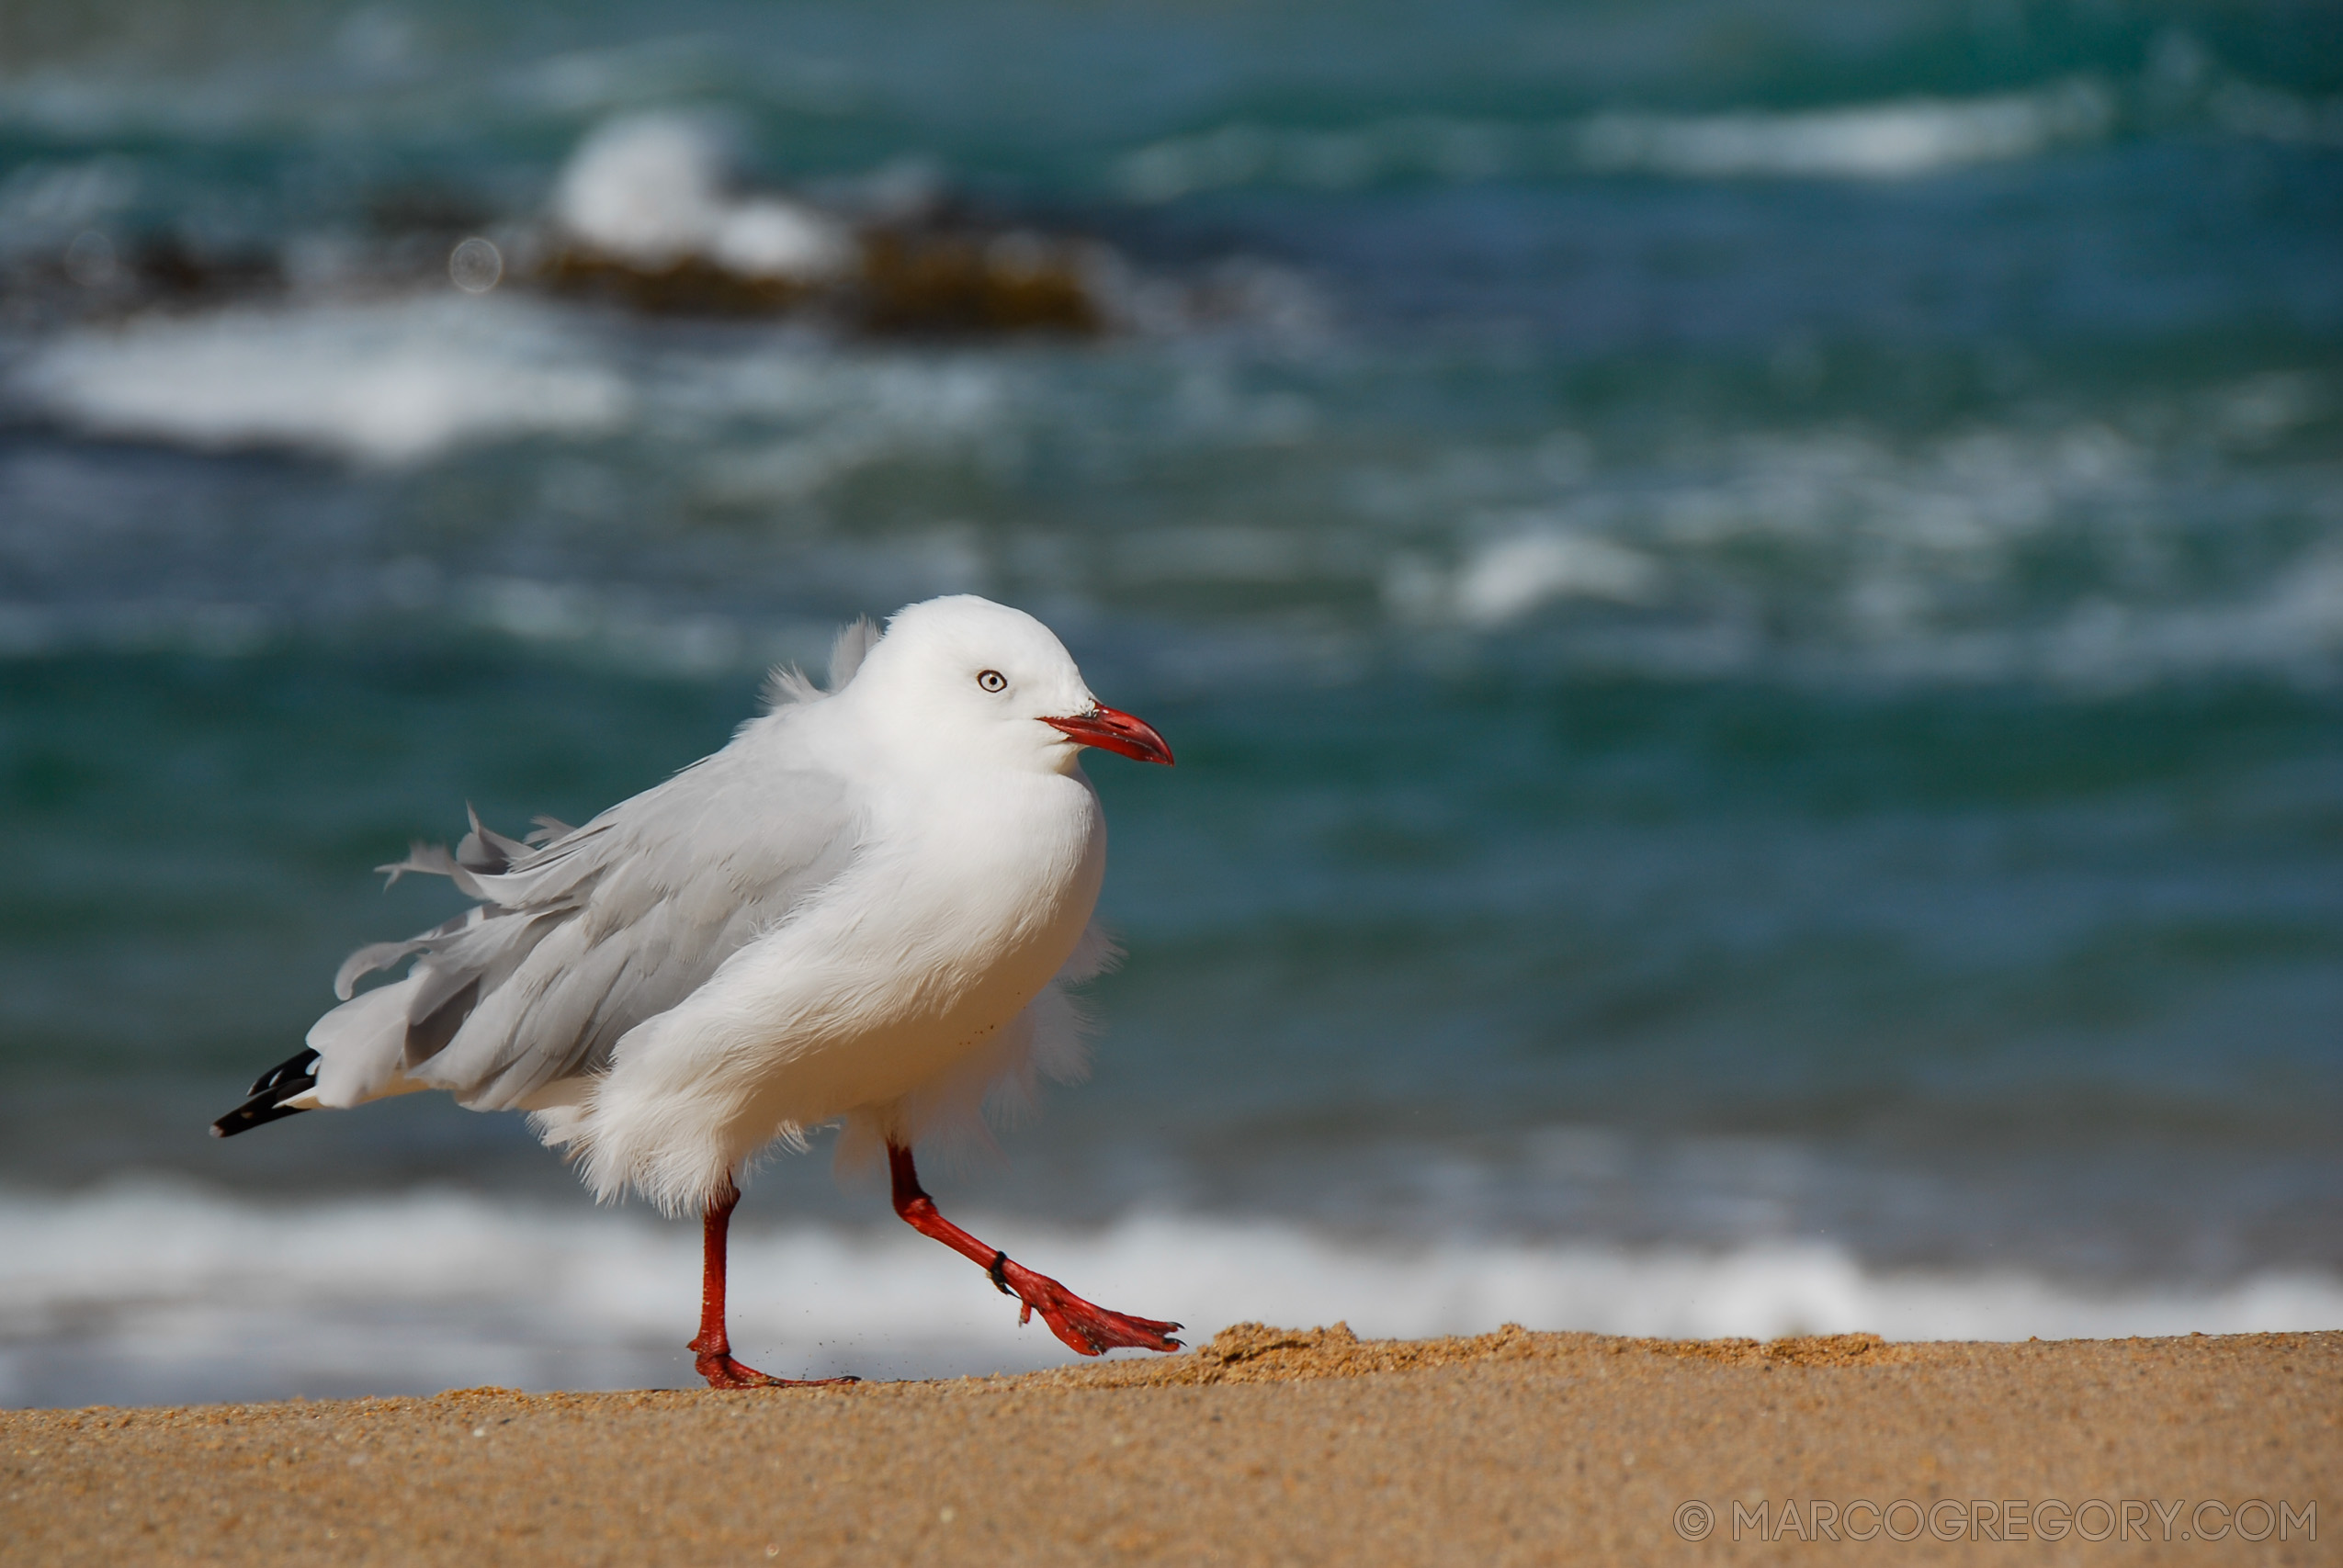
{"points": [[1751, 600]]}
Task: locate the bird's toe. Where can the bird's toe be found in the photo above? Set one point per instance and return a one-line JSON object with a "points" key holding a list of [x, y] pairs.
{"points": [[723, 1372]]}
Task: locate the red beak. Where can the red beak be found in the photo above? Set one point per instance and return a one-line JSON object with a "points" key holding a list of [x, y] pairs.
{"points": [[1112, 730]]}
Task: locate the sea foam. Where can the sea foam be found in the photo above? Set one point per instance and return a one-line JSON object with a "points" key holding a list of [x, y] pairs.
{"points": [[385, 382], [1897, 139], [148, 1293], [653, 190], [1890, 140]]}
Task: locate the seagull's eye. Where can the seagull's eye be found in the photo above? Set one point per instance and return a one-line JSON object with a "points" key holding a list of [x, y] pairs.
{"points": [[993, 679]]}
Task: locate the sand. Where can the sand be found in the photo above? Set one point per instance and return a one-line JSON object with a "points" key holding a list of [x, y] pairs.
{"points": [[1268, 1446]]}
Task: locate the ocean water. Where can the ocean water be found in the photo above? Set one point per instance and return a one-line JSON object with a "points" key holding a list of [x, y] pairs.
{"points": [[1750, 597]]}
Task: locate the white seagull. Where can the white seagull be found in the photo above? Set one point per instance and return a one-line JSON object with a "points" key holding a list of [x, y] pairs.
{"points": [[858, 911]]}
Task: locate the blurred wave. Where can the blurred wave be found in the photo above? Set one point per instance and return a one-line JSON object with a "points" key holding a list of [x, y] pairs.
{"points": [[378, 383], [167, 1294], [1888, 141], [2173, 535]]}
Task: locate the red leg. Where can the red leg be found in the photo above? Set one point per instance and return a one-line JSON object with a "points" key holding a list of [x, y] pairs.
{"points": [[1088, 1328], [714, 1346]]}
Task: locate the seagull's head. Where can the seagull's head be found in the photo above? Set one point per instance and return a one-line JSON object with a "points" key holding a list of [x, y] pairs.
{"points": [[968, 680]]}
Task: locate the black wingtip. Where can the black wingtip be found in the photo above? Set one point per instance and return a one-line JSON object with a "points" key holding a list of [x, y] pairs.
{"points": [[259, 1109], [301, 1064], [295, 1074]]}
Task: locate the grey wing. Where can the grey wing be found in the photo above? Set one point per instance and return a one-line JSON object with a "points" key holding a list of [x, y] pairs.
{"points": [[575, 943]]}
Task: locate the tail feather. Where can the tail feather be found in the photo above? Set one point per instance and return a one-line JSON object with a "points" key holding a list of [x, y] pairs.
{"points": [[295, 1074]]}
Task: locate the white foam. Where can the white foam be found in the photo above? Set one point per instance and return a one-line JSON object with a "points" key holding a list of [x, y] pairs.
{"points": [[1894, 140], [1898, 140], [387, 382], [141, 1293], [650, 189], [406, 380], [1895, 560], [1505, 579]]}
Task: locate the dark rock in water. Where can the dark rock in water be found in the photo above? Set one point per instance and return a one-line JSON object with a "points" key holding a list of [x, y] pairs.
{"points": [[689, 286], [904, 281], [927, 282], [649, 212], [99, 276], [168, 265]]}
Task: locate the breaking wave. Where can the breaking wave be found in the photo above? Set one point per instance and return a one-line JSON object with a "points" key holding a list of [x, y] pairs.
{"points": [[385, 382], [147, 1294], [1898, 140], [1822, 552]]}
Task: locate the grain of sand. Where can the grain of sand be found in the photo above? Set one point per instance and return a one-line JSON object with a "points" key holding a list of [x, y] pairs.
{"points": [[1267, 1446]]}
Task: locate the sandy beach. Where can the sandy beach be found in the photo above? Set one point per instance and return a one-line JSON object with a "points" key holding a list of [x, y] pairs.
{"points": [[1266, 1446]]}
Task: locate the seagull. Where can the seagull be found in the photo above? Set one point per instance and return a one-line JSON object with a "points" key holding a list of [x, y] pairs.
{"points": [[860, 911]]}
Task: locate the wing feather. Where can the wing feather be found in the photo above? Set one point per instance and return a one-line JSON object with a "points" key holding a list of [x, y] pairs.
{"points": [[576, 940]]}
